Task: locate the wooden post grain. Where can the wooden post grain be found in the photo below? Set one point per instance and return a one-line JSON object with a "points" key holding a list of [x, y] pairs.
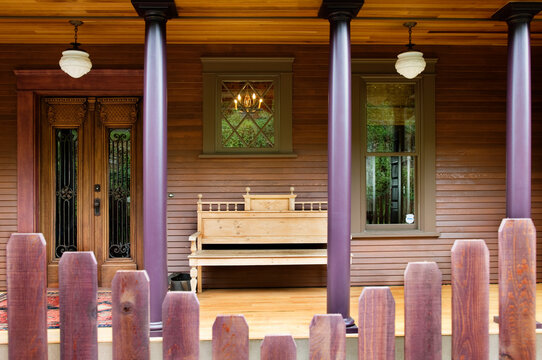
{"points": [[278, 347], [27, 297], [180, 314], [470, 300], [517, 289], [376, 324], [130, 311], [327, 339], [78, 286], [423, 304], [230, 337]]}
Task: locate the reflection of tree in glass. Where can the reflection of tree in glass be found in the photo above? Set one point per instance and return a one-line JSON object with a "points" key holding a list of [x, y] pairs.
{"points": [[379, 187]]}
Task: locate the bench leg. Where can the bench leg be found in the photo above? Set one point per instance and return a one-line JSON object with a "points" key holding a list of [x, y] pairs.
{"points": [[200, 282], [194, 279]]}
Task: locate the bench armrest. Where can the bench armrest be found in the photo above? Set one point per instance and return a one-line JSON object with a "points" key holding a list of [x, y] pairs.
{"points": [[194, 241], [194, 236]]}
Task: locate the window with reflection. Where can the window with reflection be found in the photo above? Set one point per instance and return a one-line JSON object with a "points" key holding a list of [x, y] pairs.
{"points": [[247, 107], [247, 114], [390, 153]]}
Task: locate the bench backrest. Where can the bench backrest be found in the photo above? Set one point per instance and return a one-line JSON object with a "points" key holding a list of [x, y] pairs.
{"points": [[264, 219]]}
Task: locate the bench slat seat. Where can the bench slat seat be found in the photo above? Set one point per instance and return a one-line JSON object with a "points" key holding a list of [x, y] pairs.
{"points": [[259, 257]]}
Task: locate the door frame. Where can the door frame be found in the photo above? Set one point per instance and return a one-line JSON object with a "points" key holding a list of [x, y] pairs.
{"points": [[33, 84]]}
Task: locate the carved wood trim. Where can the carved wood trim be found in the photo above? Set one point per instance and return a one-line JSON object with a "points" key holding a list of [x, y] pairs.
{"points": [[117, 110], [62, 111]]}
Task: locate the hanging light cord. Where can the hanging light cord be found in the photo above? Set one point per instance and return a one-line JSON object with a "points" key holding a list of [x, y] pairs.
{"points": [[410, 25], [76, 24]]}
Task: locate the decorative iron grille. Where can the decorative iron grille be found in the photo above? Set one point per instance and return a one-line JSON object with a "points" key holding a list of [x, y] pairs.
{"points": [[119, 192], [66, 144]]}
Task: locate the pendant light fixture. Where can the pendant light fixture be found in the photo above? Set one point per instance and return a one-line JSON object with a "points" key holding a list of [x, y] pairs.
{"points": [[75, 62], [410, 63]]}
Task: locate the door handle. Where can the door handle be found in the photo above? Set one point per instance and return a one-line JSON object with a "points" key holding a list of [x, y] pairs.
{"points": [[97, 207]]}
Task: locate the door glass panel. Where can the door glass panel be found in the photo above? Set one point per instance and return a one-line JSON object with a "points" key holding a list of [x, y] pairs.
{"points": [[119, 175], [66, 145], [391, 189]]}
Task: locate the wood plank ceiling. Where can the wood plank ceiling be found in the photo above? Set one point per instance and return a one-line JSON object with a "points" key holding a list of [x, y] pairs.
{"points": [[440, 22]]}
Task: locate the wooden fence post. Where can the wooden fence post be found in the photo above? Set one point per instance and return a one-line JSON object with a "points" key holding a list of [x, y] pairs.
{"points": [[470, 300], [180, 314], [278, 347], [517, 289], [78, 286], [27, 297], [423, 306], [376, 323], [230, 338], [327, 339], [130, 310]]}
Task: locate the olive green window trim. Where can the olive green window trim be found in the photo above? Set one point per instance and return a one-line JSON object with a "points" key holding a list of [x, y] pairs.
{"points": [[216, 70], [383, 70]]}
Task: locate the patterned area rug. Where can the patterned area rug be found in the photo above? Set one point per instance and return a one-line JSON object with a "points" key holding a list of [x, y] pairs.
{"points": [[53, 316]]}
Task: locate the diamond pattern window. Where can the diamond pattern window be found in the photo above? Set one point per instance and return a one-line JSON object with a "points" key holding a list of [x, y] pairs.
{"points": [[248, 114], [247, 107]]}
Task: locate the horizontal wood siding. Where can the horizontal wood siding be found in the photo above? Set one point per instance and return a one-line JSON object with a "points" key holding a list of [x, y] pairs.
{"points": [[470, 110]]}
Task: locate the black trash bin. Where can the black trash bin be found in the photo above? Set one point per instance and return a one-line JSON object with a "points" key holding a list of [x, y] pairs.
{"points": [[179, 282]]}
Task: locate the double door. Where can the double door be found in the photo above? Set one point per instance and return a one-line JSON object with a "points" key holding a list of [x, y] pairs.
{"points": [[90, 181]]}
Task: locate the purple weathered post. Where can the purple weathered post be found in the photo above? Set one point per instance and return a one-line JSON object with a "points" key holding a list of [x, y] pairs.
{"points": [[518, 15], [339, 15], [156, 14]]}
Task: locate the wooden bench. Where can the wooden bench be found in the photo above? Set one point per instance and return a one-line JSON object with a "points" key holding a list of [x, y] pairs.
{"points": [[259, 220]]}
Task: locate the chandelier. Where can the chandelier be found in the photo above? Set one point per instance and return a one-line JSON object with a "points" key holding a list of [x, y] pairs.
{"points": [[75, 62], [248, 103], [410, 63]]}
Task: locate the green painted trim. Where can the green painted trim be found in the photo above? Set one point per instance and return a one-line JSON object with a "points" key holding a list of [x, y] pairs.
{"points": [[383, 70], [217, 69]]}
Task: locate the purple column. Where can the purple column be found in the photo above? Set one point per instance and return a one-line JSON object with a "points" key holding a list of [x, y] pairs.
{"points": [[339, 159], [155, 154], [518, 111]]}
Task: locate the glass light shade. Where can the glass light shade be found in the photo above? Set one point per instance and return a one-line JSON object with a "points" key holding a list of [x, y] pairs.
{"points": [[75, 63], [410, 64]]}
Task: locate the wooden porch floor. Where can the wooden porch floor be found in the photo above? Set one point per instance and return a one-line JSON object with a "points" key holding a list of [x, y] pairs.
{"points": [[290, 310]]}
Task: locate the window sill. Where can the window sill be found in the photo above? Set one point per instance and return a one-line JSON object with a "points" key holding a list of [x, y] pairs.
{"points": [[386, 234], [255, 155]]}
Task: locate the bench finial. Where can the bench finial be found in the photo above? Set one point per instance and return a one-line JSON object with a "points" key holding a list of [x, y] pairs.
{"points": [[199, 197], [247, 190], [291, 190]]}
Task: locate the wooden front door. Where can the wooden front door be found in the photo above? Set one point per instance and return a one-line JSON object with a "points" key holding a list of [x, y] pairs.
{"points": [[90, 181]]}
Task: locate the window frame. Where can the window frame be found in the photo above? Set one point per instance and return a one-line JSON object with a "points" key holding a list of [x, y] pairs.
{"points": [[382, 71], [215, 70], [365, 80]]}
